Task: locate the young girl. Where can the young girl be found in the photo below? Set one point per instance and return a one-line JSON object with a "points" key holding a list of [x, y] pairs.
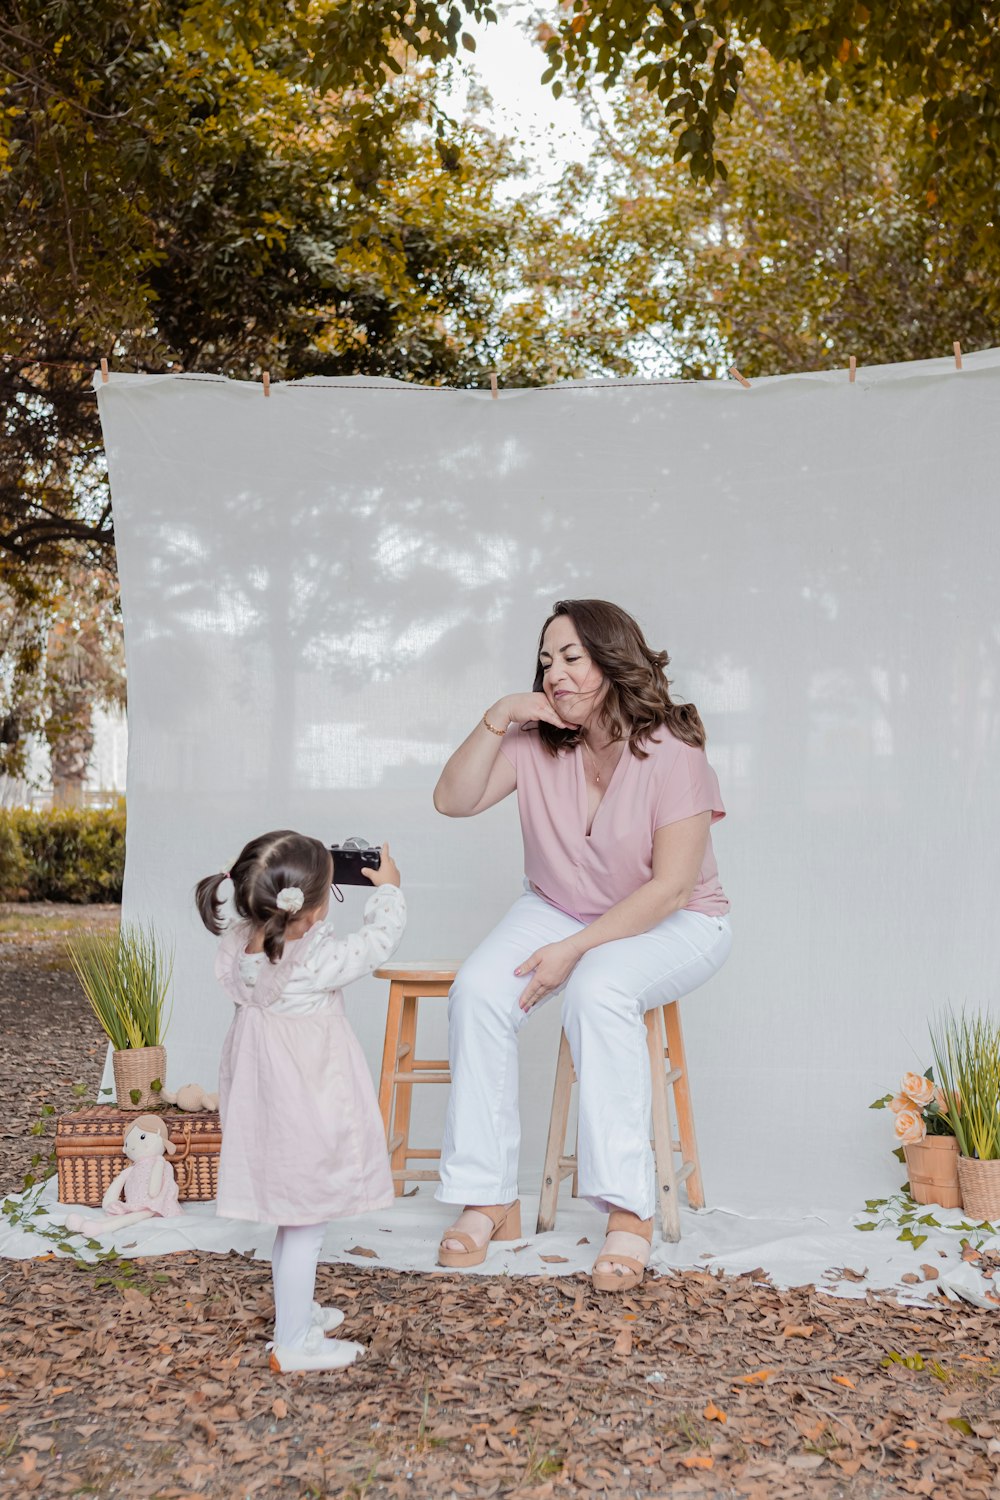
{"points": [[302, 1138]]}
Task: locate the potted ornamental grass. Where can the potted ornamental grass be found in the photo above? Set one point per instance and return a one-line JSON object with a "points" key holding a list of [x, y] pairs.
{"points": [[925, 1131], [125, 975], [967, 1059]]}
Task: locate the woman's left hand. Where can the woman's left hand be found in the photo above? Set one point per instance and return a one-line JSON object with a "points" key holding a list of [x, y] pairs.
{"points": [[550, 967]]}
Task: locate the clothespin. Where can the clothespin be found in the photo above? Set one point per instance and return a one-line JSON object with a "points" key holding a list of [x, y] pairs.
{"points": [[854, 369], [104, 371], [958, 354], [741, 378], [493, 388], [266, 377]]}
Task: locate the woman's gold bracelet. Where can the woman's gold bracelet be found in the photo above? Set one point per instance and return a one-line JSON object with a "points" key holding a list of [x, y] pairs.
{"points": [[492, 729]]}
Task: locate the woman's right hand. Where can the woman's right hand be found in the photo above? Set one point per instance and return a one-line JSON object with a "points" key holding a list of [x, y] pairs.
{"points": [[387, 872], [525, 708]]}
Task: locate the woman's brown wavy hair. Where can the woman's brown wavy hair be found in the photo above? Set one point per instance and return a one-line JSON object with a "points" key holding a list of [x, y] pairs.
{"points": [[638, 700]]}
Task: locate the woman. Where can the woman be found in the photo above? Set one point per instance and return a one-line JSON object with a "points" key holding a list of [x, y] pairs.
{"points": [[622, 911]]}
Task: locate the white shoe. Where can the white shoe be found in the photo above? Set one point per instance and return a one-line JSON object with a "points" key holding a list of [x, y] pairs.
{"points": [[326, 1318], [316, 1353]]}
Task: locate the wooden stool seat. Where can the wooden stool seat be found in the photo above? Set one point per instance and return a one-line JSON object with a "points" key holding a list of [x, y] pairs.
{"points": [[558, 1164], [408, 985]]}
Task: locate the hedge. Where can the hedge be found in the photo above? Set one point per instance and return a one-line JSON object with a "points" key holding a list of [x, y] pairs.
{"points": [[66, 854]]}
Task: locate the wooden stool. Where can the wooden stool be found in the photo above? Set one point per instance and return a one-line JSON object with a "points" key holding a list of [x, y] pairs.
{"points": [[668, 1177], [407, 986]]}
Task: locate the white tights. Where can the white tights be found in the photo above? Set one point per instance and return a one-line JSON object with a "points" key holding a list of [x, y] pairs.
{"points": [[294, 1259]]}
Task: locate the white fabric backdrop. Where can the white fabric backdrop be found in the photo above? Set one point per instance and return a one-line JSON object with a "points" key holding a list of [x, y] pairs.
{"points": [[323, 591]]}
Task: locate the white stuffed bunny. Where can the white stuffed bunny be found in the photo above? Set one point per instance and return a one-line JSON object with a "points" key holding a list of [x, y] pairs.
{"points": [[144, 1190], [191, 1096]]}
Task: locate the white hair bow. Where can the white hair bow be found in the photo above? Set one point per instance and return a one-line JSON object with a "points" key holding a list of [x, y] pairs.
{"points": [[290, 898]]}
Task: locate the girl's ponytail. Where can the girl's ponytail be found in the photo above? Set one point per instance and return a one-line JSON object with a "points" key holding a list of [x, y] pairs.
{"points": [[274, 934], [206, 895]]}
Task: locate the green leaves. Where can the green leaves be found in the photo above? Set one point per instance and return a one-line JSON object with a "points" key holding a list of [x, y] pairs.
{"points": [[902, 1213], [910, 1361], [967, 1054], [125, 975]]}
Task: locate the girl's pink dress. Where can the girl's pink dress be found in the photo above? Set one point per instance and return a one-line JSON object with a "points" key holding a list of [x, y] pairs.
{"points": [[302, 1137], [136, 1190]]}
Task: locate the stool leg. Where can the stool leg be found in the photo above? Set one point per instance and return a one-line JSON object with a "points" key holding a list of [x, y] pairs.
{"points": [[666, 1177], [556, 1145], [682, 1104], [386, 1088], [404, 1091]]}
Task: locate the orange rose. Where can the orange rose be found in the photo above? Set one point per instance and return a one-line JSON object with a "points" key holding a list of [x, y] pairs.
{"points": [[946, 1107], [901, 1101], [920, 1090], [910, 1127]]}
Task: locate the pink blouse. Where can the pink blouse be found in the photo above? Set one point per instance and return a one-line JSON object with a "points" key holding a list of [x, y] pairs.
{"points": [[585, 874]]}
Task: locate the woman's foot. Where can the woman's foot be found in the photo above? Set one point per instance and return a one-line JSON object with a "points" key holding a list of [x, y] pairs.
{"points": [[476, 1223], [621, 1263], [466, 1241]]}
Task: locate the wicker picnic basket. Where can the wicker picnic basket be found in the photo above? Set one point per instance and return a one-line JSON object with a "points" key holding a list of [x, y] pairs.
{"points": [[89, 1152]]}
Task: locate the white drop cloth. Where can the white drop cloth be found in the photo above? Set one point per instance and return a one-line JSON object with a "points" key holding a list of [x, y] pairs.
{"points": [[323, 591]]}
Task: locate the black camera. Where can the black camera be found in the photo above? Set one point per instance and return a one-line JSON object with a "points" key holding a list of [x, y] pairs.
{"points": [[351, 857]]}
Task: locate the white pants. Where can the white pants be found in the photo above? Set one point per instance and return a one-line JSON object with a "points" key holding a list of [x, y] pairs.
{"points": [[605, 1000]]}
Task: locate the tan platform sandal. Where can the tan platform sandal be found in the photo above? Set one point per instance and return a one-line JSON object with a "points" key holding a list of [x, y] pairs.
{"points": [[506, 1226], [622, 1222]]}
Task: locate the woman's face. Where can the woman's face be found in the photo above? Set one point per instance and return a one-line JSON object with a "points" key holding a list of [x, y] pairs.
{"points": [[571, 680]]}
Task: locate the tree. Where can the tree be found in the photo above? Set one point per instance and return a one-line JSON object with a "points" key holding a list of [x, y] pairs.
{"points": [[943, 55], [84, 668], [819, 245], [22, 646], [182, 188], [200, 185], [938, 61], [62, 655]]}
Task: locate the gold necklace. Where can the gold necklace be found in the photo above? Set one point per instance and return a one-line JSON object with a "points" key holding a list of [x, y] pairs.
{"points": [[593, 762]]}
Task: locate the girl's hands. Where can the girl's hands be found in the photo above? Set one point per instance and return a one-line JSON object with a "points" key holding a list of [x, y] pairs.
{"points": [[387, 872], [550, 967], [525, 708]]}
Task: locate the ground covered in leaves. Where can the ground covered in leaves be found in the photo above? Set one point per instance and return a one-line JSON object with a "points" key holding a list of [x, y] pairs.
{"points": [[149, 1379], [49, 1041]]}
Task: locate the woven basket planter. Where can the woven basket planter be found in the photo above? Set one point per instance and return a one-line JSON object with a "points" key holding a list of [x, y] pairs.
{"points": [[932, 1165], [89, 1152], [136, 1068], [980, 1187]]}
